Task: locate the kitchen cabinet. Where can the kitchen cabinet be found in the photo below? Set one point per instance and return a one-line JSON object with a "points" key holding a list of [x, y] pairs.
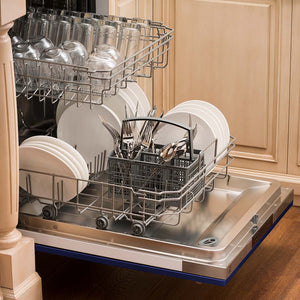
{"points": [[241, 56], [294, 125]]}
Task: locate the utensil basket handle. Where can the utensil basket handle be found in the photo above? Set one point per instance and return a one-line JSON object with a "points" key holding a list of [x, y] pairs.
{"points": [[160, 120]]}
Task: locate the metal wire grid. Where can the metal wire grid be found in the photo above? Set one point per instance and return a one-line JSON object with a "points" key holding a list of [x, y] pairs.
{"points": [[120, 201], [74, 83]]}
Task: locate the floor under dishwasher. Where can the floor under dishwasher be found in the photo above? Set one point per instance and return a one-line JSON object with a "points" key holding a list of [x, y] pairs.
{"points": [[209, 244]]}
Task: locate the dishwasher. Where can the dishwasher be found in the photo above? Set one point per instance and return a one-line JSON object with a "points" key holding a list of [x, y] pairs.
{"points": [[202, 226]]}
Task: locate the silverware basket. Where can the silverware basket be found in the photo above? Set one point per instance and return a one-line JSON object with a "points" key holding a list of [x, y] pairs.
{"points": [[149, 172]]}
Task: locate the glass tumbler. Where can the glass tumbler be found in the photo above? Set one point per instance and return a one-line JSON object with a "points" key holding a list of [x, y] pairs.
{"points": [[53, 27], [41, 43], [107, 34], [41, 27], [55, 70], [16, 40], [111, 50], [84, 33], [145, 32], [26, 71], [128, 45], [77, 51], [100, 67], [63, 32]]}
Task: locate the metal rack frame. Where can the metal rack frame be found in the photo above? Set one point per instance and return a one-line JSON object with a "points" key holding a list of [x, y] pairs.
{"points": [[116, 201], [72, 88]]}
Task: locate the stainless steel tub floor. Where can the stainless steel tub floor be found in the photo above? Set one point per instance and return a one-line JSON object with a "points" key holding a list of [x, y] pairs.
{"points": [[230, 216]]}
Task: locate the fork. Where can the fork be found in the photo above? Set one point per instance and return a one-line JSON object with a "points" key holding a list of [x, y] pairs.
{"points": [[115, 135]]}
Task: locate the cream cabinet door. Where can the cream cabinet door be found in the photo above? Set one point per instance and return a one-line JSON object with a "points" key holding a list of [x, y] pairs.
{"points": [[129, 9], [294, 133], [236, 55]]}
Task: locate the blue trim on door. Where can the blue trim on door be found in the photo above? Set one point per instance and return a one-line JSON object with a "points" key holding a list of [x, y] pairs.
{"points": [[151, 269]]}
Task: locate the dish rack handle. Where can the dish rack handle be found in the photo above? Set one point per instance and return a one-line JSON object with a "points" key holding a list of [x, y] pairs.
{"points": [[160, 120]]}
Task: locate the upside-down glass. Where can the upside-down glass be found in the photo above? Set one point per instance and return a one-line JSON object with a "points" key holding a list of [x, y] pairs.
{"points": [[16, 40], [111, 50], [53, 27], [63, 32], [41, 43], [100, 66], [27, 27], [128, 45], [84, 33], [107, 34], [41, 27], [77, 51], [57, 76], [145, 33], [26, 71], [104, 49]]}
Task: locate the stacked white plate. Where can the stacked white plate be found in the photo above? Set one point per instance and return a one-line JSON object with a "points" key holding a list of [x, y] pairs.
{"points": [[211, 126], [133, 97], [52, 156], [82, 128]]}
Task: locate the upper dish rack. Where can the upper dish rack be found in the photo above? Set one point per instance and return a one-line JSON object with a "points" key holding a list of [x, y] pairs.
{"points": [[96, 84]]}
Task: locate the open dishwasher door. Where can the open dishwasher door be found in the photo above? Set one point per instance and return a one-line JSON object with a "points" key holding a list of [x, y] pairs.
{"points": [[198, 227], [210, 243]]}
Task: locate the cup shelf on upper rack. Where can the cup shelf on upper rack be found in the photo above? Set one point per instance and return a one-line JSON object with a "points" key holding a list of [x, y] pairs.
{"points": [[55, 80]]}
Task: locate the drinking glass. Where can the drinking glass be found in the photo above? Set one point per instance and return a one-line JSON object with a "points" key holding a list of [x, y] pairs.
{"points": [[100, 66], [87, 36], [41, 27], [145, 32], [77, 51], [41, 43], [16, 40], [26, 71], [53, 27], [63, 32], [128, 45], [57, 74], [107, 34], [111, 50], [84, 33], [28, 26]]}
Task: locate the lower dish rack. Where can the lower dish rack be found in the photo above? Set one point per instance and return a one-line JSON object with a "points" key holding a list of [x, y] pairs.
{"points": [[105, 201]]}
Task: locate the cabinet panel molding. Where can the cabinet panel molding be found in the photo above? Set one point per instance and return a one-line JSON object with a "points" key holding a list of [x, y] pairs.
{"points": [[294, 126], [241, 50]]}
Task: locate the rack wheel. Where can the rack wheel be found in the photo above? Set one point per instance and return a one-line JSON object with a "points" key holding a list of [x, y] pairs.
{"points": [[138, 228], [49, 212], [102, 222]]}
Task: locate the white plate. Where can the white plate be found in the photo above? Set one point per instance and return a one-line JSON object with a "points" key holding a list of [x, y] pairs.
{"points": [[204, 137], [82, 166], [140, 95], [116, 103], [58, 153], [219, 115], [134, 97], [68, 155], [63, 104], [206, 114], [39, 159], [82, 128]]}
